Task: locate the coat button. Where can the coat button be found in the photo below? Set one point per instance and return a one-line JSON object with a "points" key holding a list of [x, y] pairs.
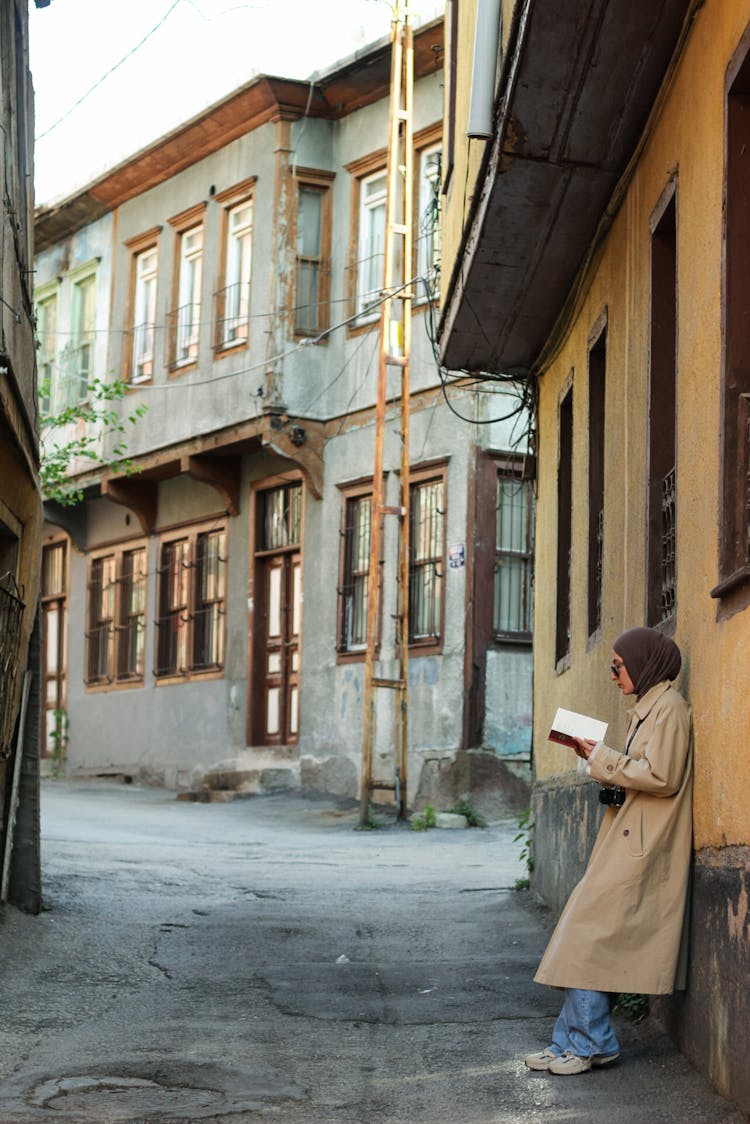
{"points": [[626, 831], [610, 768]]}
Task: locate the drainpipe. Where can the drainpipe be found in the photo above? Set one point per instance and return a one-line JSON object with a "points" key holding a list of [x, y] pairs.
{"points": [[484, 69]]}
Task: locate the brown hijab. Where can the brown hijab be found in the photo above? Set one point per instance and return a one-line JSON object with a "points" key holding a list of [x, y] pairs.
{"points": [[649, 657]]}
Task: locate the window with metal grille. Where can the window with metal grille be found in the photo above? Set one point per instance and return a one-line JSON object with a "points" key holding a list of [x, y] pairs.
{"points": [[564, 526], [210, 597], [733, 587], [355, 573], [11, 616], [191, 599], [116, 617], [131, 617], [597, 395], [281, 516], [101, 620], [662, 541], [426, 560], [514, 536]]}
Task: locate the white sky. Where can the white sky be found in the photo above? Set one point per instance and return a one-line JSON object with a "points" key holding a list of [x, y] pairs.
{"points": [[195, 52]]}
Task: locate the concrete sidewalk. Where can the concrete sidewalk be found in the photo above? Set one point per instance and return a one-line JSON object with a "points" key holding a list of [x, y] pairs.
{"points": [[264, 961]]}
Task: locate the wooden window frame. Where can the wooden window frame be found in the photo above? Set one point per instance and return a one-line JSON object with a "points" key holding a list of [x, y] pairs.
{"points": [[183, 224], [418, 477], [515, 468], [191, 534], [732, 590], [255, 593], [60, 598], [360, 170], [321, 181], [45, 296], [80, 337], [115, 678], [350, 492], [136, 247], [451, 26], [564, 528], [424, 140], [597, 393], [661, 560], [239, 195]]}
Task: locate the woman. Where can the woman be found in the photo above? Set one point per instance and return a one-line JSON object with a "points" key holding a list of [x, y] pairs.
{"points": [[622, 928]]}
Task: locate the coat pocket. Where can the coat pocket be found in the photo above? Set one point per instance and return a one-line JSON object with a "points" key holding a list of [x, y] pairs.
{"points": [[633, 834]]}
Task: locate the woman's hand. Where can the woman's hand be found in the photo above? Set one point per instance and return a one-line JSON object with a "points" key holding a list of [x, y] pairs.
{"points": [[583, 747]]}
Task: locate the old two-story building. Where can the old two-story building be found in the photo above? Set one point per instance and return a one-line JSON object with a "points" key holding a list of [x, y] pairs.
{"points": [[599, 229], [214, 598], [20, 502]]}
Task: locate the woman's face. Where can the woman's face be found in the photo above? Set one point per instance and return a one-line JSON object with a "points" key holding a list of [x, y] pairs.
{"points": [[619, 674]]}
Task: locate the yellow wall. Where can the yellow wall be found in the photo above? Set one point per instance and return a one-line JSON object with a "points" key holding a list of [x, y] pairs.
{"points": [[687, 137]]}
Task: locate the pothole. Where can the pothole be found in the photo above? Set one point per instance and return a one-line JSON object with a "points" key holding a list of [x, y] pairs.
{"points": [[113, 1098]]}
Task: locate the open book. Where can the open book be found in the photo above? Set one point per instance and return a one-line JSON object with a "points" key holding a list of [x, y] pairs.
{"points": [[567, 725]]}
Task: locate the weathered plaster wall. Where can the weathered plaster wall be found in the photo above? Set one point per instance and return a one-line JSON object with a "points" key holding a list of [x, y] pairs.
{"points": [[175, 403], [435, 681]]}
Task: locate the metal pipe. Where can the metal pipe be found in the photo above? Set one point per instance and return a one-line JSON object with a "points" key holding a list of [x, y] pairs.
{"points": [[484, 69]]}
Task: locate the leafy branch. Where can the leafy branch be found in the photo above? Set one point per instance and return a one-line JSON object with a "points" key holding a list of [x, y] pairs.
{"points": [[101, 419]]}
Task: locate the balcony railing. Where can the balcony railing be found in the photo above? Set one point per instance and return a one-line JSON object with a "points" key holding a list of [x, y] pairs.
{"points": [[183, 332], [232, 316], [142, 343], [11, 615]]}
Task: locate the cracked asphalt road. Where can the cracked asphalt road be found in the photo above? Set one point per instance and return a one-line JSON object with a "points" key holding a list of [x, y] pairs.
{"points": [[263, 961]]}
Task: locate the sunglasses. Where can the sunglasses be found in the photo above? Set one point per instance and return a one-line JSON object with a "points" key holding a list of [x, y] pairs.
{"points": [[616, 668]]}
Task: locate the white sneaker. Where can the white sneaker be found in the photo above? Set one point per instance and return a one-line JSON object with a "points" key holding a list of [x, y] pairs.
{"points": [[542, 1060]]}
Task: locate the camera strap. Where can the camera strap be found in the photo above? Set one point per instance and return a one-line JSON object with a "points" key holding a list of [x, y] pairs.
{"points": [[632, 736]]}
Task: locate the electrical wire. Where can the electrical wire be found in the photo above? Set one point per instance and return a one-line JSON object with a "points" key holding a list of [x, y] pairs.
{"points": [[525, 397], [111, 70]]}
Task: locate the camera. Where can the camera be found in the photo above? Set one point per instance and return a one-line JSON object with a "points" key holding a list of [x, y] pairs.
{"points": [[614, 796]]}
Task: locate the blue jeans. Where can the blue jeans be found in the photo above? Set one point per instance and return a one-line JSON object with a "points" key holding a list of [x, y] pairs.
{"points": [[583, 1026]]}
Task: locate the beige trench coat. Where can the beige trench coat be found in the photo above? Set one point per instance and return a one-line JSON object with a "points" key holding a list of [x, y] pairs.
{"points": [[622, 927]]}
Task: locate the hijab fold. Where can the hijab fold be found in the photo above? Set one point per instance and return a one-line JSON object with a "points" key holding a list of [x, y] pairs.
{"points": [[649, 656]]}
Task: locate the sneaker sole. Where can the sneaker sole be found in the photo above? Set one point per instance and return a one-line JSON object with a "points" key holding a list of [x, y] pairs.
{"points": [[598, 1063]]}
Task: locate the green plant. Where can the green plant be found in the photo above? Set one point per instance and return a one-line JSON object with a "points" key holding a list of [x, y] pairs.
{"points": [[525, 837], [372, 823], [466, 808], [522, 884], [634, 1007], [421, 821], [99, 420], [59, 738]]}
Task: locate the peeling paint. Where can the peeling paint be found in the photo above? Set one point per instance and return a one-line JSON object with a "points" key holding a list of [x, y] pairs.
{"points": [[737, 922]]}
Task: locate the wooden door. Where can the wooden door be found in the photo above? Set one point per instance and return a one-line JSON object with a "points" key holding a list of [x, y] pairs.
{"points": [[280, 671]]}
